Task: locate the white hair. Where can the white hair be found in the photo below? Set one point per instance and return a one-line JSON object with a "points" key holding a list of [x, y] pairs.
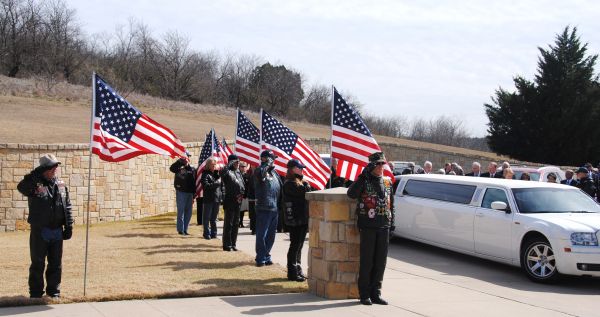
{"points": [[476, 164], [427, 163]]}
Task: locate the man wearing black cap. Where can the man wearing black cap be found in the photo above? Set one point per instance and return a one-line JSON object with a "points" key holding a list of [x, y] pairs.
{"points": [[233, 185], [185, 188], [585, 182], [267, 191], [51, 223], [374, 214]]}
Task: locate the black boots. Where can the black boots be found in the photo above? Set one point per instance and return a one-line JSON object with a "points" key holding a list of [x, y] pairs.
{"points": [[295, 273]]}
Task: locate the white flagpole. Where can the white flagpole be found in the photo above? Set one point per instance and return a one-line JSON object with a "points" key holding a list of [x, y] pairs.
{"points": [[331, 138], [87, 226]]}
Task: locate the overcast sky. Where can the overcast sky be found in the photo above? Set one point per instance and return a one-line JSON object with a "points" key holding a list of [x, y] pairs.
{"points": [[411, 58]]}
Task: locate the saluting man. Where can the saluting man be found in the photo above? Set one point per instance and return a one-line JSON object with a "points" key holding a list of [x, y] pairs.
{"points": [[374, 212], [51, 222]]}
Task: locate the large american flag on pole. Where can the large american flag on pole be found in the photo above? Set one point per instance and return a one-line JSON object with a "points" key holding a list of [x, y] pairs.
{"points": [[351, 140], [205, 153], [288, 145], [120, 131], [247, 139]]}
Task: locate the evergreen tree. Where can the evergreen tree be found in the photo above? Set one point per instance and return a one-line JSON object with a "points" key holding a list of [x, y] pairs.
{"points": [[556, 118]]}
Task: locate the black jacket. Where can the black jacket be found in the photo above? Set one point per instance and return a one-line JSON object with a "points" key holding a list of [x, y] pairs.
{"points": [[233, 186], [487, 174], [374, 206], [294, 201], [185, 176], [587, 185], [49, 203], [573, 182], [211, 186]]}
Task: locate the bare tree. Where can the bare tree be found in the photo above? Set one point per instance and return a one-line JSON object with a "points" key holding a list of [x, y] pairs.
{"points": [[316, 105], [233, 79]]}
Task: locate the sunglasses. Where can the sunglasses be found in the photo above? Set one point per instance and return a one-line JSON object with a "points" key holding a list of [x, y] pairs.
{"points": [[380, 163]]}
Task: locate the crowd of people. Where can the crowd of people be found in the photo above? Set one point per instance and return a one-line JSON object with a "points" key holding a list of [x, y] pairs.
{"points": [[278, 203]]}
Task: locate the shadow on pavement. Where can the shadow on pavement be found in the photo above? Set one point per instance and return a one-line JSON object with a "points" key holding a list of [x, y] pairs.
{"points": [[282, 303], [20, 302], [457, 264]]}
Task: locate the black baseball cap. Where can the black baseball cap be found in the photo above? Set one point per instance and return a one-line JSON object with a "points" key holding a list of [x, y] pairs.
{"points": [[295, 163]]}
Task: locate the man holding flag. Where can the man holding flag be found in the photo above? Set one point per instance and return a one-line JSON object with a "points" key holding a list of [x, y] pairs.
{"points": [[185, 187]]}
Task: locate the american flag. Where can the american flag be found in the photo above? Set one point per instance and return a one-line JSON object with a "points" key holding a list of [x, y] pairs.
{"points": [[288, 145], [205, 153], [351, 140], [226, 148], [219, 152], [247, 139], [120, 131]]}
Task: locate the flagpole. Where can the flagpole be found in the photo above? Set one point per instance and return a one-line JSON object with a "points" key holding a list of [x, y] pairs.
{"points": [[87, 226], [260, 136], [237, 121], [331, 138]]}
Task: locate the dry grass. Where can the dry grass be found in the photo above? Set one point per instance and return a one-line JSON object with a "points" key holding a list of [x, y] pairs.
{"points": [[141, 259]]}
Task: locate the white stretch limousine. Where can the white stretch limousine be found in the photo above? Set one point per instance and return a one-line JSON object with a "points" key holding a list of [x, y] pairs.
{"points": [[547, 229]]}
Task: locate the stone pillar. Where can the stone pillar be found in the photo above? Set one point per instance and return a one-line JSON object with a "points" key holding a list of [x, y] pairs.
{"points": [[334, 240]]}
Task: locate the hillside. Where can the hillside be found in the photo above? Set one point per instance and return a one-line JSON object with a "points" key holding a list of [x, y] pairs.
{"points": [[31, 113]]}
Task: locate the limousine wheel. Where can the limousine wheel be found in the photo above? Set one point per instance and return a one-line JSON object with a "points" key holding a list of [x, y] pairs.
{"points": [[539, 262]]}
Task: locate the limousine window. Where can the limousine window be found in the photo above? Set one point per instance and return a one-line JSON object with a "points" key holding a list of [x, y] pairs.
{"points": [[553, 200], [492, 195], [456, 193]]}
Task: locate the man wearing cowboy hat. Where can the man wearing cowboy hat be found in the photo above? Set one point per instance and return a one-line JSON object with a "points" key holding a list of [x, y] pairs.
{"points": [[51, 222], [185, 188]]}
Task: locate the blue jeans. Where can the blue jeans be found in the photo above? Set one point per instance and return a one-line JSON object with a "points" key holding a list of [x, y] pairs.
{"points": [[184, 210], [266, 227], [210, 209]]}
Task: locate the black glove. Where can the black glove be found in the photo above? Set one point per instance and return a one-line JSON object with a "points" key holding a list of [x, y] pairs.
{"points": [[67, 232]]}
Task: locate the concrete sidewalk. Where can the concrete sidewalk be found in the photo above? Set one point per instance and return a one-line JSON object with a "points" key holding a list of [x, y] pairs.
{"points": [[419, 281]]}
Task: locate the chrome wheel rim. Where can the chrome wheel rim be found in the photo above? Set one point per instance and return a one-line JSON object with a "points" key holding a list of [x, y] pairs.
{"points": [[540, 260]]}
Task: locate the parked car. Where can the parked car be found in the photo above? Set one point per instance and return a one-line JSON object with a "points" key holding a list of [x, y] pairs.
{"points": [[546, 229], [539, 174], [400, 166]]}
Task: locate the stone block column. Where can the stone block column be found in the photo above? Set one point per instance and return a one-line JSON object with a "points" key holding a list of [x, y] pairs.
{"points": [[334, 242]]}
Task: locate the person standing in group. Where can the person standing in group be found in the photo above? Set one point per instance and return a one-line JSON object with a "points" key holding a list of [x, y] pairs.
{"points": [[233, 184], [185, 188], [585, 182], [244, 207], [267, 190], [475, 170], [374, 213], [507, 173], [569, 180], [492, 171], [211, 187], [295, 216], [526, 177], [51, 222]]}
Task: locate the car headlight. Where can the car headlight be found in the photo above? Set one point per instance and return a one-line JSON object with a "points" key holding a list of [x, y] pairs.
{"points": [[584, 238]]}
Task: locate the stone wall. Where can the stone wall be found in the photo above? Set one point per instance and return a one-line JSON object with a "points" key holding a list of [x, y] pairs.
{"points": [[334, 245], [142, 186], [133, 189]]}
